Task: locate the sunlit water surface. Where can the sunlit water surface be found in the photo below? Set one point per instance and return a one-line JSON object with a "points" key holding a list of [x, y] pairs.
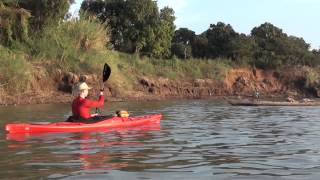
{"points": [[196, 140]]}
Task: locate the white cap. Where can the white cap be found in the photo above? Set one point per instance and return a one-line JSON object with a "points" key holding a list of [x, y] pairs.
{"points": [[83, 86], [80, 87]]}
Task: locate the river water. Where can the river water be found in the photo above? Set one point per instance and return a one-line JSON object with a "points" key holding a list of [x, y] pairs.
{"points": [[200, 140]]}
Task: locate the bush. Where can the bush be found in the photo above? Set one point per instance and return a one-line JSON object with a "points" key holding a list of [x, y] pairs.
{"points": [[15, 71], [71, 44], [13, 25], [312, 77]]}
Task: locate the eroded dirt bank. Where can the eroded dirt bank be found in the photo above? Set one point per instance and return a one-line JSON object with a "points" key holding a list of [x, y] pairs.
{"points": [[237, 82]]}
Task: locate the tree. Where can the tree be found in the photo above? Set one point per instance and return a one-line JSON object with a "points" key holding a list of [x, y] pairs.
{"points": [[132, 22], [181, 50], [268, 39], [164, 33], [200, 46], [220, 40], [13, 24], [276, 48], [114, 14], [243, 49], [183, 35], [137, 26], [182, 43], [144, 19], [45, 11]]}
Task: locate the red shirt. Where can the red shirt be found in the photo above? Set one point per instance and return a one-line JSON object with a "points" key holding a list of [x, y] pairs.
{"points": [[81, 106]]}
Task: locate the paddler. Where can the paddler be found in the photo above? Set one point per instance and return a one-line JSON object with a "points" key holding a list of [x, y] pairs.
{"points": [[81, 105]]}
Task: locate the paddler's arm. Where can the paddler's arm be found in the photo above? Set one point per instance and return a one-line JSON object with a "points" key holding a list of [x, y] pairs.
{"points": [[98, 103]]}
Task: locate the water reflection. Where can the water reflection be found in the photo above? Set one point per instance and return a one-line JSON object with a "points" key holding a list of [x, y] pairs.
{"points": [[83, 151]]}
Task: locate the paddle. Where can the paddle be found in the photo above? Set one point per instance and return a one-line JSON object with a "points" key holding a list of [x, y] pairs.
{"points": [[105, 76], [106, 73]]}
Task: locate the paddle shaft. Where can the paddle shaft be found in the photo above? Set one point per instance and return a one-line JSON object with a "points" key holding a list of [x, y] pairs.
{"points": [[105, 76]]}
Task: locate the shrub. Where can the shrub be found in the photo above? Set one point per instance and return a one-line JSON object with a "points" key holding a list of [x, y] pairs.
{"points": [[15, 71], [13, 24], [72, 44], [312, 77]]}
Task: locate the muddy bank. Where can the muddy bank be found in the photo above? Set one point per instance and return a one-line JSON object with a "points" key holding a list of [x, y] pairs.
{"points": [[240, 82], [237, 82]]}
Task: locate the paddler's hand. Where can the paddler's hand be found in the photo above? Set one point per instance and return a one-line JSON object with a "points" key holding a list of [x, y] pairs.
{"points": [[95, 114]]}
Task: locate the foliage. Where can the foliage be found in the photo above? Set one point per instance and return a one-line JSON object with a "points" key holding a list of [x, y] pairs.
{"points": [[221, 39], [45, 12], [275, 48], [182, 40], [136, 25], [13, 24], [312, 77], [173, 68], [71, 42], [181, 50], [243, 50], [15, 71], [164, 32], [200, 46]]}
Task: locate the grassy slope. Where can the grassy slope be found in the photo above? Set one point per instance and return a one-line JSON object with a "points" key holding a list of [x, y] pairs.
{"points": [[79, 47]]}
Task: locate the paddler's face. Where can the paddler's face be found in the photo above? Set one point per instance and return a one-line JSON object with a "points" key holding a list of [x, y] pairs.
{"points": [[86, 92]]}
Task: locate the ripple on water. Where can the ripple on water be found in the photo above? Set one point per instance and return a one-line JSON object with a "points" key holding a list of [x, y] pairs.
{"points": [[196, 140]]}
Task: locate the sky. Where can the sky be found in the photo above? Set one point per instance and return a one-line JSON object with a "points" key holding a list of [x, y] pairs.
{"points": [[300, 18]]}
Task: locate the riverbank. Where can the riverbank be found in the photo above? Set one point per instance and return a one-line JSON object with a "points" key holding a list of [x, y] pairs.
{"points": [[240, 82]]}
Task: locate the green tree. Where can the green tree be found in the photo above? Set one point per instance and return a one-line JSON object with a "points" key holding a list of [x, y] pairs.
{"points": [[182, 43], [181, 50], [144, 18], [221, 39], [164, 33], [136, 26], [13, 24], [114, 14], [45, 11], [243, 49], [268, 39], [183, 35], [276, 48], [200, 46], [296, 51]]}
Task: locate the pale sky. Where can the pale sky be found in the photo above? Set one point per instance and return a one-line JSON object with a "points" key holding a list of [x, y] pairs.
{"points": [[300, 18]]}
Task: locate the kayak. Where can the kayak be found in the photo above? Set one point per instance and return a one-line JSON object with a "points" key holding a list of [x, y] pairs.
{"points": [[270, 103], [45, 136], [110, 123]]}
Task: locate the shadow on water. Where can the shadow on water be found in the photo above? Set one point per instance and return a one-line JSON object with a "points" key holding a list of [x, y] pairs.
{"points": [[196, 140]]}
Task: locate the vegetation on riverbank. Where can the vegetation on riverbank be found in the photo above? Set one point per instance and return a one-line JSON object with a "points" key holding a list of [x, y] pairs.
{"points": [[137, 40]]}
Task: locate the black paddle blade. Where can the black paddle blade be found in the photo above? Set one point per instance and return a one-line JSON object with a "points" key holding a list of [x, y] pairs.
{"points": [[106, 72]]}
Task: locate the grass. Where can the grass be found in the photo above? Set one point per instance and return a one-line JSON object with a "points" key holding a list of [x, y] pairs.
{"points": [[174, 68], [75, 45], [79, 46], [16, 72], [312, 77]]}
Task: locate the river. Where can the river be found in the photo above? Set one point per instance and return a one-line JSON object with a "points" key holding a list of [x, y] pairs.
{"points": [[199, 139]]}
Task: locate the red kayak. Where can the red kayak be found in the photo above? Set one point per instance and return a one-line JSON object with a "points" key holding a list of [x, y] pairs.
{"points": [[114, 122]]}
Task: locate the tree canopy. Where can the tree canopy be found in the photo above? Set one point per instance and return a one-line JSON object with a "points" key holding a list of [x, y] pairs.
{"points": [[137, 26]]}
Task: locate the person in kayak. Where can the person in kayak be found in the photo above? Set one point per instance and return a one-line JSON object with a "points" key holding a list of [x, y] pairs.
{"points": [[81, 105]]}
